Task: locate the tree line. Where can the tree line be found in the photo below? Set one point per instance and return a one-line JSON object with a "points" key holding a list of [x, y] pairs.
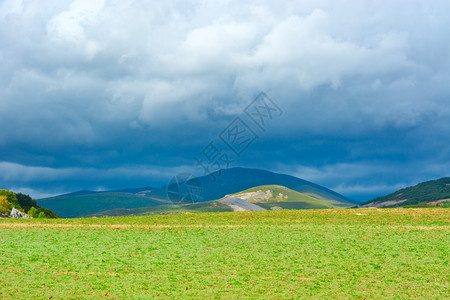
{"points": [[23, 203]]}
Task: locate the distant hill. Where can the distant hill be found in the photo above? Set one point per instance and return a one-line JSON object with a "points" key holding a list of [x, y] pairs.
{"points": [[199, 207], [238, 179], [429, 193], [214, 186], [265, 197], [76, 205], [269, 196]]}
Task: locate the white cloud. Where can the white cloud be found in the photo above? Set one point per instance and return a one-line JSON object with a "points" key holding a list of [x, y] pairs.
{"points": [[69, 25], [89, 73], [10, 7], [164, 54]]}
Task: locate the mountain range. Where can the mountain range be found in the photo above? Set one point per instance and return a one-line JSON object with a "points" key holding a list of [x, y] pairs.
{"points": [[188, 190], [234, 189], [265, 197]]}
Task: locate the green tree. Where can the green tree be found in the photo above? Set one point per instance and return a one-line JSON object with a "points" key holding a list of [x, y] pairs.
{"points": [[4, 204], [41, 215], [33, 212], [12, 199], [25, 201], [47, 212], [446, 204]]}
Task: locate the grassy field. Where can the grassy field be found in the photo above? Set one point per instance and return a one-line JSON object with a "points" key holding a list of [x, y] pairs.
{"points": [[335, 253]]}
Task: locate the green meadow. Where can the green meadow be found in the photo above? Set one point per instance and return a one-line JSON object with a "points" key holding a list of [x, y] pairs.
{"points": [[333, 253]]}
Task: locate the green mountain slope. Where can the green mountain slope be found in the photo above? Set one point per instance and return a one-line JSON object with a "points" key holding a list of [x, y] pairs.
{"points": [[199, 207], [213, 186], [70, 206], [238, 179], [429, 193], [266, 196]]}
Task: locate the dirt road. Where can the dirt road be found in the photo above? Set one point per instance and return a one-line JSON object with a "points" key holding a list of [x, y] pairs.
{"points": [[240, 205]]}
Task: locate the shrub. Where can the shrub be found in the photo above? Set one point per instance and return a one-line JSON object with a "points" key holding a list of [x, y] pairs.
{"points": [[33, 212]]}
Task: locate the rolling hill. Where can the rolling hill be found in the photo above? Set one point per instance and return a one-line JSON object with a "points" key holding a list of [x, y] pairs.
{"points": [[429, 193], [238, 179], [266, 197], [75, 205], [213, 187], [199, 207], [269, 196]]}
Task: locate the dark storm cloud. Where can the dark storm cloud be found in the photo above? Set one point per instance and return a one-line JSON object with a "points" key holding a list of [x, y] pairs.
{"points": [[92, 87]]}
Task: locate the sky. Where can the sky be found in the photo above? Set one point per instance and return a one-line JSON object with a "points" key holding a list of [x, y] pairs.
{"points": [[104, 95]]}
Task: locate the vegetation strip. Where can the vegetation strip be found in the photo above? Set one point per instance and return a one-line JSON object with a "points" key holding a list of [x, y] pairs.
{"points": [[117, 226], [123, 226]]}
